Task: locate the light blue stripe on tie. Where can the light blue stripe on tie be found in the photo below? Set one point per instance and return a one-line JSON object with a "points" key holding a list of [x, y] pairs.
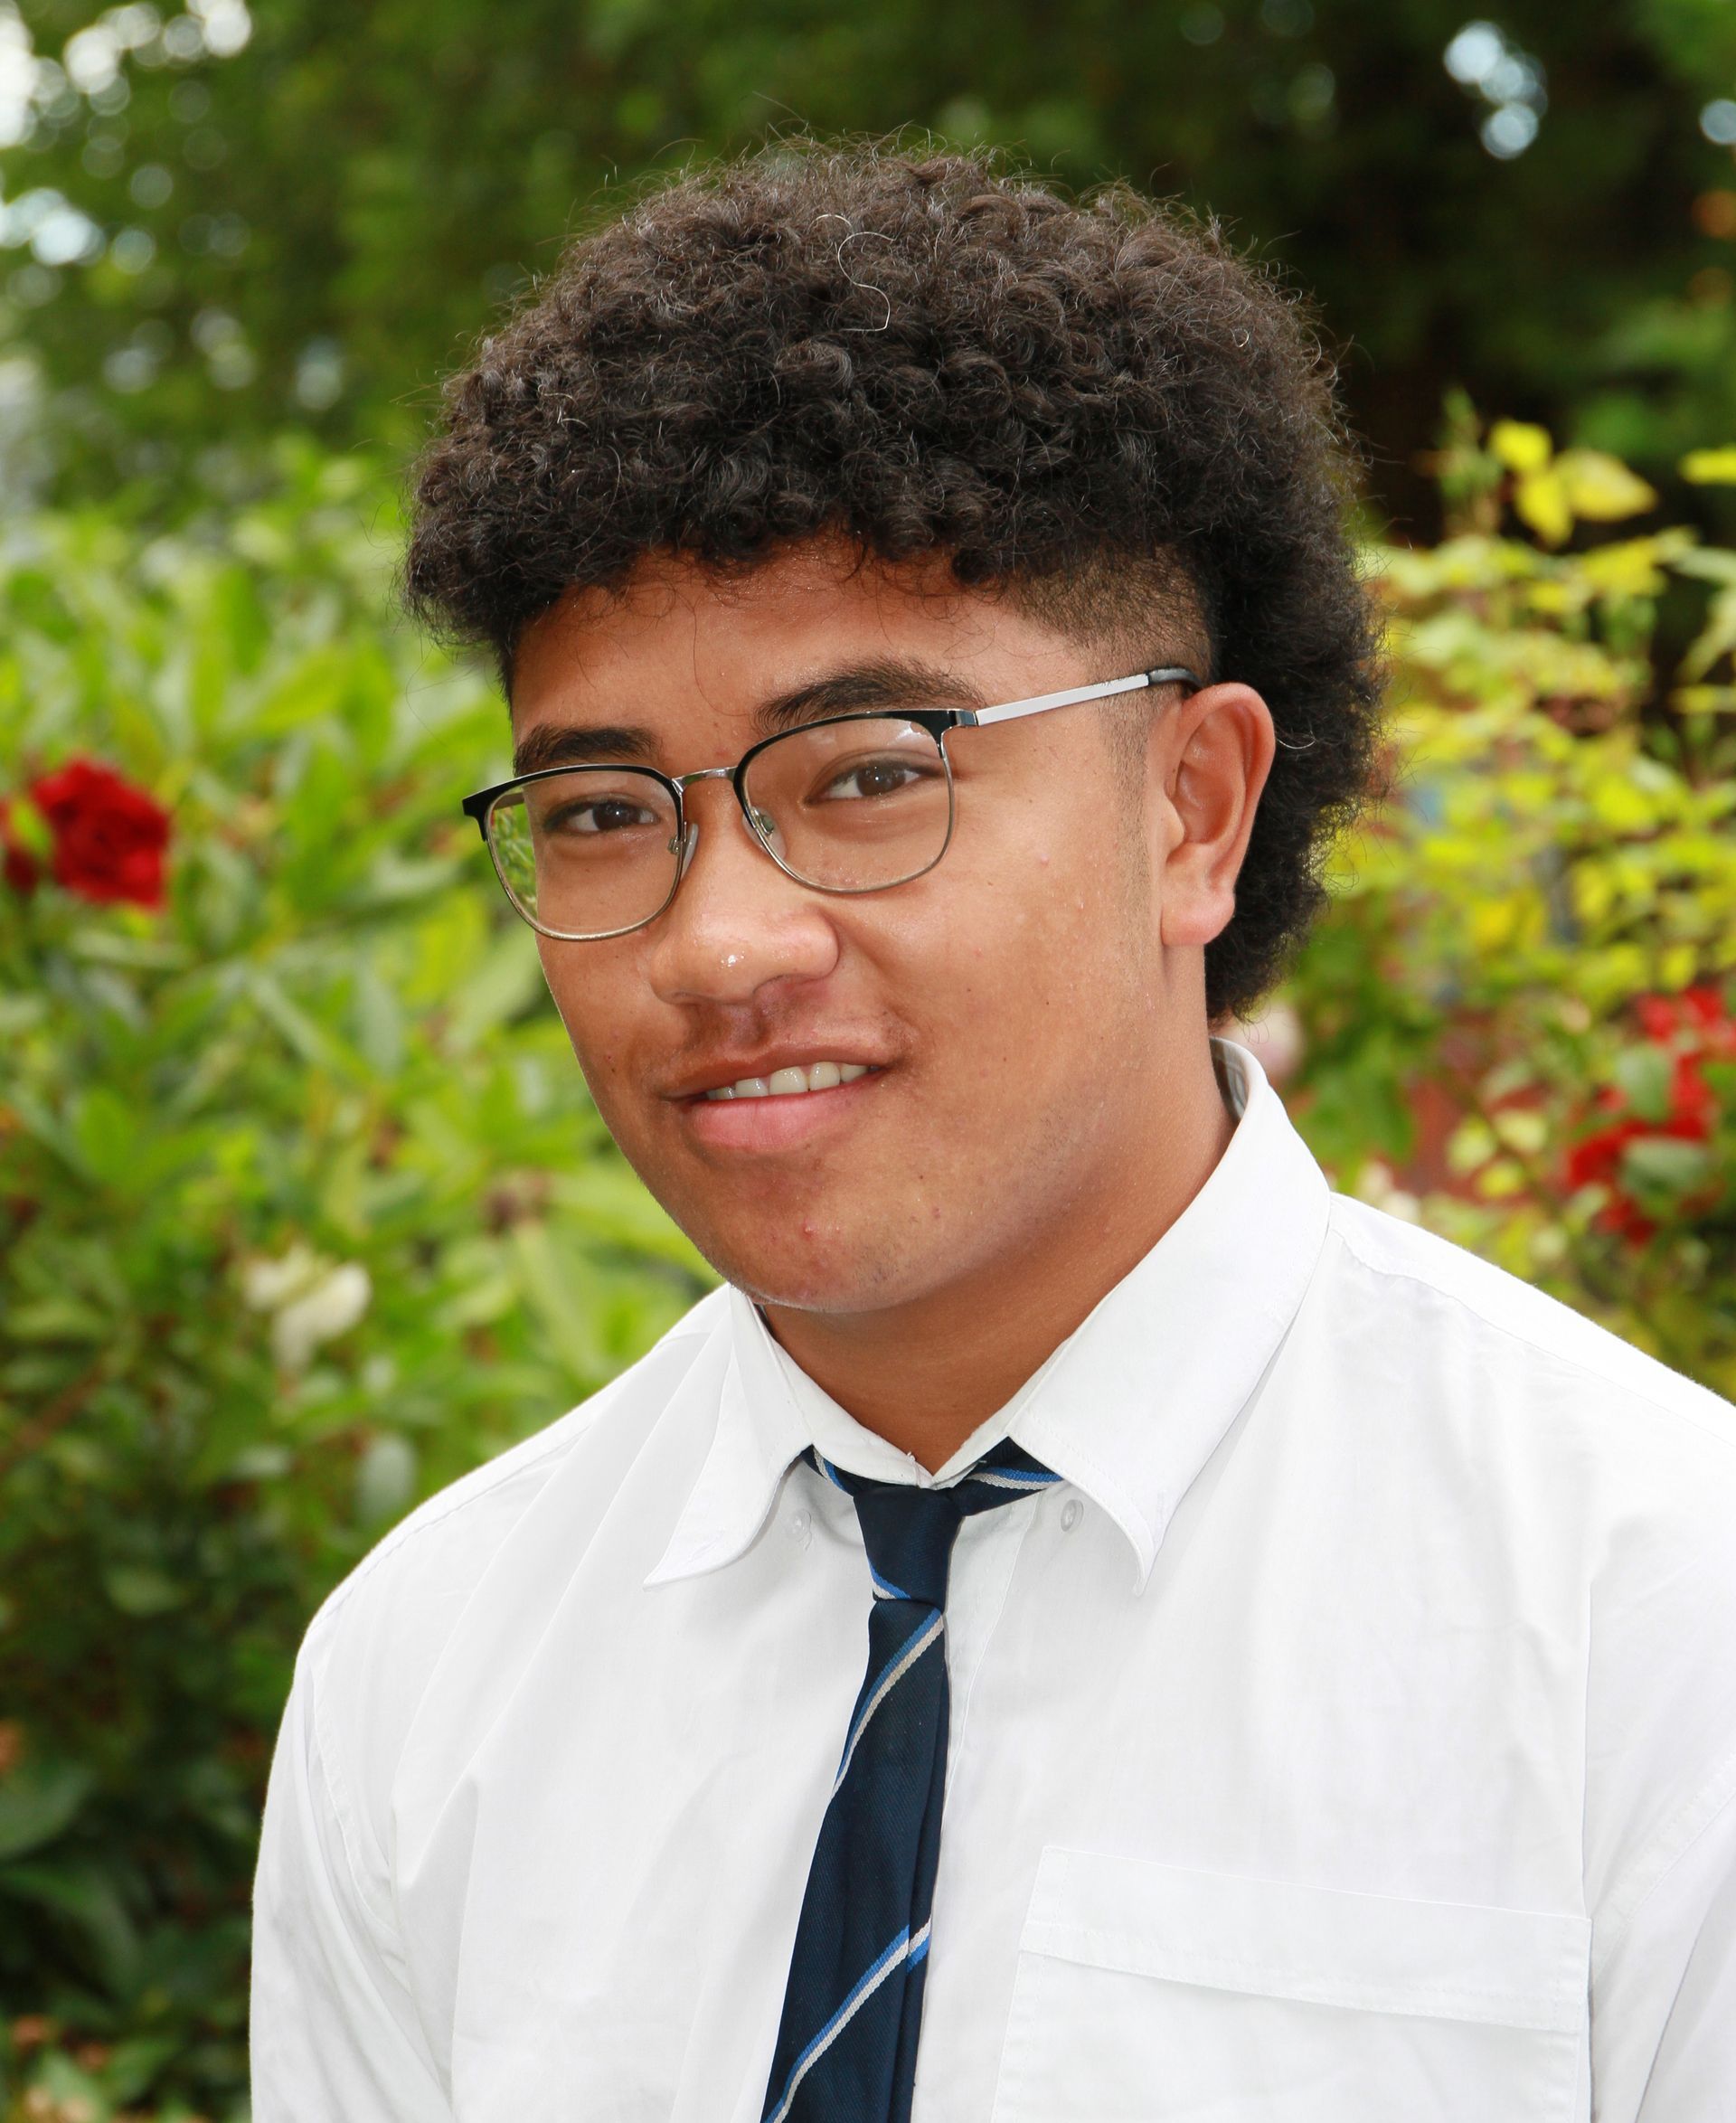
{"points": [[830, 1472], [894, 1954], [1003, 1478], [929, 1633], [884, 1587]]}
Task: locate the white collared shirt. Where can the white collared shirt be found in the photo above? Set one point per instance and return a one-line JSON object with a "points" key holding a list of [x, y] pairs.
{"points": [[1349, 1737]]}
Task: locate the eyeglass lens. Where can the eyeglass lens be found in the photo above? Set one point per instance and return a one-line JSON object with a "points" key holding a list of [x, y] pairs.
{"points": [[849, 806]]}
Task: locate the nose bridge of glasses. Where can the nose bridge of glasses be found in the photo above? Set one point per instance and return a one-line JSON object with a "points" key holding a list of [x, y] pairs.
{"points": [[687, 842]]}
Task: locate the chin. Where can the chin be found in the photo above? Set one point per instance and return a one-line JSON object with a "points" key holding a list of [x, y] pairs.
{"points": [[808, 1269]]}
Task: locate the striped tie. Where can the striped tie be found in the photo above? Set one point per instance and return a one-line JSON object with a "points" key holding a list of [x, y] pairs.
{"points": [[852, 2006]]}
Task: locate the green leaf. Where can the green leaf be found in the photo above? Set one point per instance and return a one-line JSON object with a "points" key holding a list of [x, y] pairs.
{"points": [[107, 1134], [38, 1800], [1646, 1074], [134, 2066], [82, 1891], [1715, 639], [58, 1319], [508, 981], [1664, 1163], [141, 1590], [554, 1284]]}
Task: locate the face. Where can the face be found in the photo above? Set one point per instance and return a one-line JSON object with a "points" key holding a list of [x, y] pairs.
{"points": [[1009, 1023]]}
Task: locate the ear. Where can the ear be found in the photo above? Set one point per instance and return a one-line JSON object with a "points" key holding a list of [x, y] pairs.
{"points": [[1209, 762]]}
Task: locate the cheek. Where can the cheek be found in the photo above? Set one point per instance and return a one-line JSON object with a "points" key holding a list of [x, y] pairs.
{"points": [[593, 994], [1033, 967]]}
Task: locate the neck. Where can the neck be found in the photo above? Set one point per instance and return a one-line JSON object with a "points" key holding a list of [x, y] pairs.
{"points": [[926, 1373]]}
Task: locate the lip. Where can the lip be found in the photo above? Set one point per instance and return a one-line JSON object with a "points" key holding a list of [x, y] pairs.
{"points": [[731, 1068], [799, 1118]]}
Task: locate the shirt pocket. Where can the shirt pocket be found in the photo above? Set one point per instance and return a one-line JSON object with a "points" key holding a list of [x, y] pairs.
{"points": [[1148, 1991]]}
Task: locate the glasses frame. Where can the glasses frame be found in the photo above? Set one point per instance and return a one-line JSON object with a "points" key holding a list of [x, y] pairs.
{"points": [[939, 723]]}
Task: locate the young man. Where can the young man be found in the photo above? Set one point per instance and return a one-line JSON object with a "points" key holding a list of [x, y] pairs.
{"points": [[1085, 1624]]}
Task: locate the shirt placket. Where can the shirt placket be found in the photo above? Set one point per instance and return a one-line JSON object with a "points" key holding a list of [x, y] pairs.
{"points": [[984, 1558]]}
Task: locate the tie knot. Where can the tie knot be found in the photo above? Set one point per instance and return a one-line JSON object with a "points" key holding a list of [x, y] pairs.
{"points": [[909, 1531]]}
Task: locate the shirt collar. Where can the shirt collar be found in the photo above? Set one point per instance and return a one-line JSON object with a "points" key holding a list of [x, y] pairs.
{"points": [[1129, 1408]]}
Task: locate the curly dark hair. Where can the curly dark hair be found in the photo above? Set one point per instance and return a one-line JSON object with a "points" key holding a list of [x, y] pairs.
{"points": [[1096, 405]]}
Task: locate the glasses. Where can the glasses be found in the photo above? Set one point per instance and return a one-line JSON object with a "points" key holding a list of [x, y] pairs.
{"points": [[856, 803]]}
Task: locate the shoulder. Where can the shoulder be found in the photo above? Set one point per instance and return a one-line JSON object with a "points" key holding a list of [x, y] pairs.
{"points": [[404, 1596], [1605, 1483], [1430, 1290], [1597, 1471]]}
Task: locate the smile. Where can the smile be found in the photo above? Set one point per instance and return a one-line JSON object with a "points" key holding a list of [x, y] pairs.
{"points": [[785, 1083]]}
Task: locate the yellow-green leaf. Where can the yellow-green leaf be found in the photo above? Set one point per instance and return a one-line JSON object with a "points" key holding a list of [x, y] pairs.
{"points": [[1711, 467], [1631, 567], [1677, 965], [1600, 487], [1521, 447], [1541, 502], [1704, 700], [1619, 803]]}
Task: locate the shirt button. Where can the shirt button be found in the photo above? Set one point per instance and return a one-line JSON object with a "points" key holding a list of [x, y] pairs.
{"points": [[1069, 1512], [801, 1528]]}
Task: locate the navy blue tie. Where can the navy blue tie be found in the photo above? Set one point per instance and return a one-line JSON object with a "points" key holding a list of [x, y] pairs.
{"points": [[852, 2006]]}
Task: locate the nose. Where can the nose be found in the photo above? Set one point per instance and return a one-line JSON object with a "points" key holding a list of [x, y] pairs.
{"points": [[737, 923]]}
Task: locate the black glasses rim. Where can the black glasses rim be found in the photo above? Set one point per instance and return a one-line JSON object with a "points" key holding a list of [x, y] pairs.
{"points": [[937, 722]]}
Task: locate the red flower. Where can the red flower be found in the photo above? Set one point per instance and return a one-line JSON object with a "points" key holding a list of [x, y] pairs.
{"points": [[110, 838], [1697, 1013], [1595, 1160], [1695, 1028], [17, 866], [1691, 1027]]}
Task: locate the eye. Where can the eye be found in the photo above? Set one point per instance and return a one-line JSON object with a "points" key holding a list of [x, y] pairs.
{"points": [[589, 815], [882, 777]]}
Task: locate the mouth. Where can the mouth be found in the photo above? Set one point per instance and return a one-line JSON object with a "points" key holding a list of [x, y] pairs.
{"points": [[795, 1080], [798, 1106]]}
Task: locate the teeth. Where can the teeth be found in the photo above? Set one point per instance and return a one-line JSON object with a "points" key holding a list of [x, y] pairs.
{"points": [[783, 1084]]}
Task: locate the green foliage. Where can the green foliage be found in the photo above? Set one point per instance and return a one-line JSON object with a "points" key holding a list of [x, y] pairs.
{"points": [[1559, 852], [321, 215], [303, 1211]]}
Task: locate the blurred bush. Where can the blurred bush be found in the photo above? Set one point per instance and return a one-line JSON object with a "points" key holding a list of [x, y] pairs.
{"points": [[215, 213], [304, 1211], [1520, 1024]]}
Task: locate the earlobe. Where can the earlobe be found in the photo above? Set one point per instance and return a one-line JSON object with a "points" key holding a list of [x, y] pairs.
{"points": [[1220, 753]]}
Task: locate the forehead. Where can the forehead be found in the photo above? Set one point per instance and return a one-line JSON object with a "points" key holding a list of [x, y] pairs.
{"points": [[687, 647]]}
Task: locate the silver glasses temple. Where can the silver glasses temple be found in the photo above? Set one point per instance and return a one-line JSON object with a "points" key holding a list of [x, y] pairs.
{"points": [[1168, 674]]}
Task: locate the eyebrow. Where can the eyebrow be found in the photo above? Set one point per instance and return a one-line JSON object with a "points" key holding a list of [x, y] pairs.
{"points": [[891, 684], [568, 744]]}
